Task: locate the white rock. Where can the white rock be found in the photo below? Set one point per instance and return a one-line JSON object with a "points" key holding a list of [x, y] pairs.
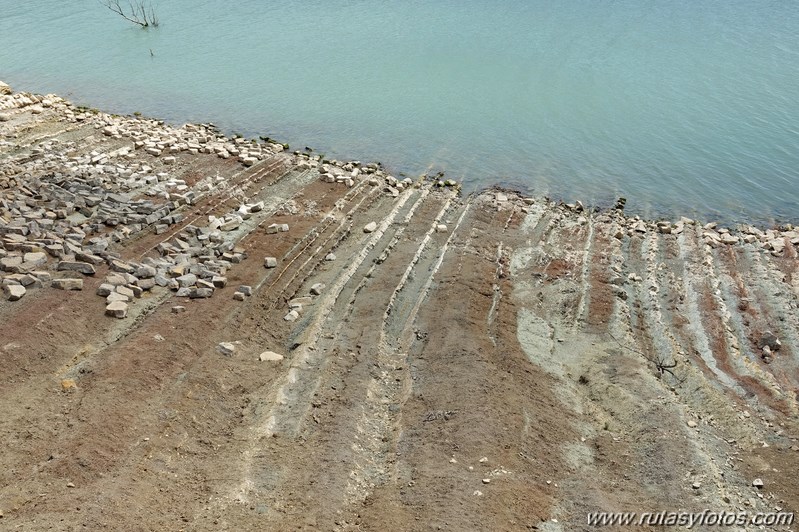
{"points": [[14, 292], [758, 483], [226, 348], [370, 227], [117, 309], [317, 288], [115, 297], [292, 316], [270, 356], [270, 262]]}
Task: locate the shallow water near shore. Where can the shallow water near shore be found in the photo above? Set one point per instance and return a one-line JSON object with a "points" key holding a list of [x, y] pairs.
{"points": [[682, 107]]}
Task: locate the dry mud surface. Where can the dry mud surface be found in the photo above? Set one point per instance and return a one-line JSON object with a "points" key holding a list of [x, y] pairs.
{"points": [[483, 363]]}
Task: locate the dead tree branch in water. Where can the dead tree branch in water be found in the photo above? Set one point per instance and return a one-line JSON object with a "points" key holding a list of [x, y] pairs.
{"points": [[138, 12]]}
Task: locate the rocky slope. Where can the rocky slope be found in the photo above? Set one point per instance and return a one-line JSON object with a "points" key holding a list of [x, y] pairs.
{"points": [[204, 333]]}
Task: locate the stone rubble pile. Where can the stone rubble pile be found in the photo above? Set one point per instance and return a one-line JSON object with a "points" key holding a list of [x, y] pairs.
{"points": [[773, 241], [157, 139], [347, 173], [192, 264], [61, 213]]}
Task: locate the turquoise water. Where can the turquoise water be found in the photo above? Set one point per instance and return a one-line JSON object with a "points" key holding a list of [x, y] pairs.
{"points": [[683, 107]]}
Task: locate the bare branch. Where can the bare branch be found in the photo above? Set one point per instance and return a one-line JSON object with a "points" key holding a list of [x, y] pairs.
{"points": [[137, 12], [661, 364]]}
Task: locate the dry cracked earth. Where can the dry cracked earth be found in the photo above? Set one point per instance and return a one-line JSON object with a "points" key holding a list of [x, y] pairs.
{"points": [[490, 362]]}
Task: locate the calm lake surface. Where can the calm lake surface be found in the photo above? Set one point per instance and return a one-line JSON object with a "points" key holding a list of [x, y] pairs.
{"points": [[683, 107]]}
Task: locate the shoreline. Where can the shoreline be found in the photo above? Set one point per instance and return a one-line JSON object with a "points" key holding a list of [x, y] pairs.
{"points": [[214, 333], [650, 211], [743, 227]]}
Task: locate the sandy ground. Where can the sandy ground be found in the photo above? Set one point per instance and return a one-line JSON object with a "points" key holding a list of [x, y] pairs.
{"points": [[501, 373]]}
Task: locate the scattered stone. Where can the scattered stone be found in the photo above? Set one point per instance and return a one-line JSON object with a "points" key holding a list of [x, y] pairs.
{"points": [[270, 356], [300, 301], [146, 284], [218, 281], [758, 483], [67, 284], [115, 279], [125, 291], [116, 296], [441, 228], [35, 258], [231, 225], [81, 267], [117, 309], [201, 293], [770, 340], [291, 316], [370, 227], [202, 283], [10, 264], [185, 281], [104, 289], [270, 262], [245, 289], [729, 239], [145, 272], [68, 385], [14, 292], [177, 309], [317, 289], [238, 296], [226, 348], [121, 267], [486, 481], [691, 423], [330, 257]]}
